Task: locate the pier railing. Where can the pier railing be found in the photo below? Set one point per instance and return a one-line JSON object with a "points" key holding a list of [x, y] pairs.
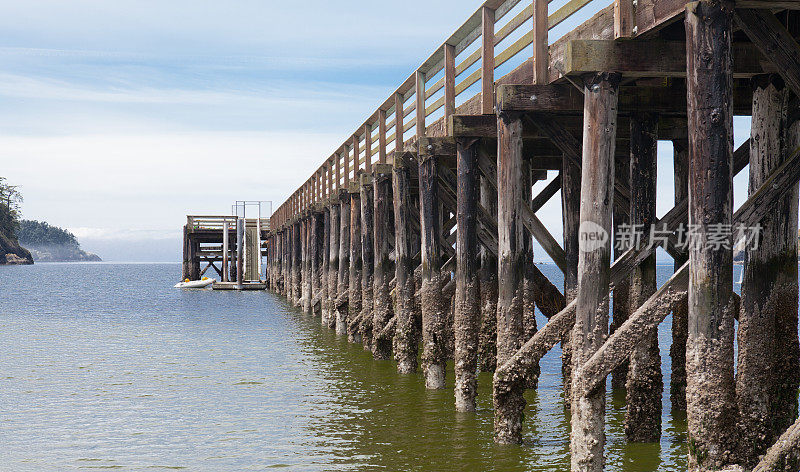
{"points": [[458, 77], [218, 222]]}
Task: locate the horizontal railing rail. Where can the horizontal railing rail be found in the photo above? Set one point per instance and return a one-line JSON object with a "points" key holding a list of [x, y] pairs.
{"points": [[218, 222]]}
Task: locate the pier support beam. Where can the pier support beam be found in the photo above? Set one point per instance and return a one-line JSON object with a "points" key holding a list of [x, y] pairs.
{"points": [[767, 374], [531, 290], [587, 439], [287, 262], [677, 350], [434, 332], [487, 273], [382, 305], [344, 264], [644, 383], [406, 334], [509, 404], [305, 234], [297, 262], [356, 262], [621, 299], [368, 258], [317, 247], [570, 209], [711, 411], [326, 261], [467, 296], [240, 256], [333, 264]]}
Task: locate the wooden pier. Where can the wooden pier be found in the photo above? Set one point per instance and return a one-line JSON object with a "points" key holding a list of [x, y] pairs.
{"points": [[227, 241], [415, 236]]}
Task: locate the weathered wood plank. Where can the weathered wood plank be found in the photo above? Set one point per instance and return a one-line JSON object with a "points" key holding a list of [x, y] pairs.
{"points": [[774, 41], [651, 58]]}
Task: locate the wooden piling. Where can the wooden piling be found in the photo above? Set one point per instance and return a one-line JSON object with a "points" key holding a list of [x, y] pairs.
{"points": [[406, 334], [644, 382], [767, 374], [467, 296], [225, 251], [305, 234], [333, 263], [343, 283], [587, 439], [434, 349], [368, 259], [356, 262], [326, 266], [487, 273], [317, 248], [620, 303], [382, 304], [297, 263], [711, 411], [531, 291], [240, 252], [570, 209], [677, 350], [509, 404]]}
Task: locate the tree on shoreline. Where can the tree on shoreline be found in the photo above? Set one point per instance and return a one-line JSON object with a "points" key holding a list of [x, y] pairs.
{"points": [[10, 199]]}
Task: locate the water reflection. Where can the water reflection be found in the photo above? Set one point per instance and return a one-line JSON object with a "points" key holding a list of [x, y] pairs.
{"points": [[112, 367]]}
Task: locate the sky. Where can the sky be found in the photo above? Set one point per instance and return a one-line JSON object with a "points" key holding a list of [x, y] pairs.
{"points": [[119, 118]]}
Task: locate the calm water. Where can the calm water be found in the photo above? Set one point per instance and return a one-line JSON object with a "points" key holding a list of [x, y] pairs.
{"points": [[106, 366]]}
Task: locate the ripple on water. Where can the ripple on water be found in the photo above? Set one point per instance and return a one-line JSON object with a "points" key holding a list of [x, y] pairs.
{"points": [[112, 368]]}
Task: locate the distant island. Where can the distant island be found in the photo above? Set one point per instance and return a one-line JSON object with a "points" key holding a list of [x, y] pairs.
{"points": [[52, 244], [25, 241]]}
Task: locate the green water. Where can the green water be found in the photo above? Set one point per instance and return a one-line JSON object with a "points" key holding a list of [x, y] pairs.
{"points": [[107, 367]]}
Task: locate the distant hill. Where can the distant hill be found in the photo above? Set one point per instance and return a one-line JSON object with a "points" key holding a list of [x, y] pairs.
{"points": [[51, 244]]}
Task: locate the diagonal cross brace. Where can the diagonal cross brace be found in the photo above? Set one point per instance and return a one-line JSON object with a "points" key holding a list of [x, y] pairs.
{"points": [[774, 41]]}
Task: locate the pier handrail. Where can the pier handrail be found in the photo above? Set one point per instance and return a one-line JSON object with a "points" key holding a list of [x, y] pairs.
{"points": [[217, 222], [436, 89]]}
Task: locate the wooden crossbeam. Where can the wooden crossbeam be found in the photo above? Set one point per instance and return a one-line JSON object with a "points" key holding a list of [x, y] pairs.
{"points": [[546, 194], [650, 59], [768, 4], [547, 241], [774, 42], [564, 100], [782, 452]]}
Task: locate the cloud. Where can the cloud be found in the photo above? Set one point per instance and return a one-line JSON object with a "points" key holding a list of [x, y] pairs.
{"points": [[124, 234]]}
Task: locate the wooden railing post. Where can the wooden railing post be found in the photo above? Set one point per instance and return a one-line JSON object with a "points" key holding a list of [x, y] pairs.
{"points": [[487, 61], [420, 92], [382, 136], [338, 171], [346, 156], [356, 152], [541, 49], [398, 123], [367, 148], [623, 19], [449, 81]]}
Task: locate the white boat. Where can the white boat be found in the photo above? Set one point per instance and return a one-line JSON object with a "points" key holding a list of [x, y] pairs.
{"points": [[205, 282]]}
